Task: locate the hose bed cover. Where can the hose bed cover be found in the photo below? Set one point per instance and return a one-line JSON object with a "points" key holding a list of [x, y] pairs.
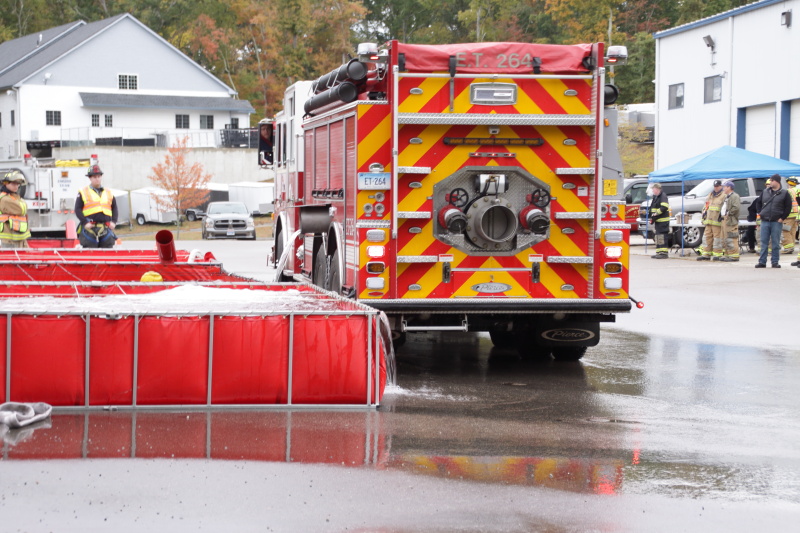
{"points": [[511, 58]]}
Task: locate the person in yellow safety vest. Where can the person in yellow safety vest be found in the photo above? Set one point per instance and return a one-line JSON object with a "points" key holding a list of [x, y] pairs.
{"points": [[96, 209], [790, 224], [659, 215], [730, 223], [712, 220], [14, 231]]}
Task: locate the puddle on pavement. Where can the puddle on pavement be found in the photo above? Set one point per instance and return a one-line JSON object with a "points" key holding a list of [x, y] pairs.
{"points": [[639, 415]]}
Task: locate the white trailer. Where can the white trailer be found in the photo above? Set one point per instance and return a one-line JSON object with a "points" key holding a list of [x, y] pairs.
{"points": [[50, 192], [258, 196], [144, 208]]}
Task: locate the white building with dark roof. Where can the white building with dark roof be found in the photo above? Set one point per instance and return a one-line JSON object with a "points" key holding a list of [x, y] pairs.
{"points": [[730, 79], [113, 82]]}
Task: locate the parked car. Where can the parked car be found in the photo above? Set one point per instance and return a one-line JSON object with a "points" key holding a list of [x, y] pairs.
{"points": [[194, 214], [225, 220], [691, 206], [637, 190]]}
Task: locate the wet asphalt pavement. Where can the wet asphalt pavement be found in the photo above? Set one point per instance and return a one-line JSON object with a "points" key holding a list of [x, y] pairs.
{"points": [[684, 418]]}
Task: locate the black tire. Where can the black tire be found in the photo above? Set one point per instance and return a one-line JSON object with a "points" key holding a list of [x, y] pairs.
{"points": [[278, 246], [320, 275], [140, 220], [190, 216], [203, 234], [528, 347], [503, 339], [334, 279], [692, 237], [568, 353], [398, 338]]}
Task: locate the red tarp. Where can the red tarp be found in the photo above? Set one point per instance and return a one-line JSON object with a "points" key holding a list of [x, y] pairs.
{"points": [[511, 58]]}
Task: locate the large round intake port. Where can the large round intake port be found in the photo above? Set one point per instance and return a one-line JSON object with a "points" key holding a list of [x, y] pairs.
{"points": [[494, 222]]}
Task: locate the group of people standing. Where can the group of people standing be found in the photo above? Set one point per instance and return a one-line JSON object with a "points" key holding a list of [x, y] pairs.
{"points": [[95, 207], [775, 213]]}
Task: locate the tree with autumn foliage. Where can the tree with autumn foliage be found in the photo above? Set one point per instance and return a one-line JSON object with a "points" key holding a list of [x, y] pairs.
{"points": [[186, 185]]}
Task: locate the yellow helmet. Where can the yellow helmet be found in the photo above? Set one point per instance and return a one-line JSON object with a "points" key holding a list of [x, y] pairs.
{"points": [[16, 176], [768, 182], [791, 180], [151, 277]]}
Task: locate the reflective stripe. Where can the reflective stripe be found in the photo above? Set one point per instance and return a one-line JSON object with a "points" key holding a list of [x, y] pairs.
{"points": [[94, 203]]}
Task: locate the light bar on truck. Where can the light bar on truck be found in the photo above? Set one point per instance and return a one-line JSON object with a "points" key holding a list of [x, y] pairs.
{"points": [[617, 55], [491, 141]]}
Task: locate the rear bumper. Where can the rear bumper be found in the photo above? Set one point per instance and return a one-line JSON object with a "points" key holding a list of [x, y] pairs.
{"points": [[509, 306]]}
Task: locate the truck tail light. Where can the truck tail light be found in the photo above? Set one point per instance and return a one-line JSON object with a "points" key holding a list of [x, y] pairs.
{"points": [[613, 268], [613, 252], [375, 267], [612, 283], [613, 236]]}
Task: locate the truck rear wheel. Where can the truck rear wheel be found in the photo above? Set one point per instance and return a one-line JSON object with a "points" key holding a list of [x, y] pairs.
{"points": [[568, 353], [334, 279], [503, 339], [320, 275]]}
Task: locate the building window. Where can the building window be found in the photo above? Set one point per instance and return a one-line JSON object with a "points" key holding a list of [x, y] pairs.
{"points": [[713, 89], [109, 121], [53, 118], [182, 122], [12, 117], [1, 120], [95, 121], [676, 96], [206, 122], [129, 82], [235, 123]]}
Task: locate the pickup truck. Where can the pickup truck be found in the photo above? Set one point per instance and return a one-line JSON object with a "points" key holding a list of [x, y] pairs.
{"points": [[691, 206], [636, 191]]}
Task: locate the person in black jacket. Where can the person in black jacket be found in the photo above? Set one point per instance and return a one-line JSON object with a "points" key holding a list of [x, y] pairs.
{"points": [[773, 206], [659, 216], [750, 233]]}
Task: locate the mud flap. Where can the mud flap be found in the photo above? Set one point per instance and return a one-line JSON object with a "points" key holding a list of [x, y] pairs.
{"points": [[564, 333]]}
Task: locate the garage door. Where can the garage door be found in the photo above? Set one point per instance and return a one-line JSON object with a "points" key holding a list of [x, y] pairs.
{"points": [[760, 136], [794, 132]]}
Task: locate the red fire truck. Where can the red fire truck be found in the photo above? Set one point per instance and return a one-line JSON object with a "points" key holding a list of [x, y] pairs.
{"points": [[469, 187]]}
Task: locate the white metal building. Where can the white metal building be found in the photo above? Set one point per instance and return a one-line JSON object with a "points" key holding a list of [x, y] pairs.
{"points": [[111, 82], [730, 79]]}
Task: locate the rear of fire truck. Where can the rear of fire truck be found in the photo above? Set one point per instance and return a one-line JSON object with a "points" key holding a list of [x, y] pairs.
{"points": [[460, 187]]}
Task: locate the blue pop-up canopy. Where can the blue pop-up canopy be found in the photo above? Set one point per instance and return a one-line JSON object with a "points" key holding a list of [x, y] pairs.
{"points": [[726, 162]]}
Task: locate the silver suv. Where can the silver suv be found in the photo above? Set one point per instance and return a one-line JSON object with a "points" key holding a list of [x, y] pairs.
{"points": [[228, 220], [749, 189]]}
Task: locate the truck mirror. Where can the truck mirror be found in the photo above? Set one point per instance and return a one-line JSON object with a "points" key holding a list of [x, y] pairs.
{"points": [[266, 141], [628, 198]]}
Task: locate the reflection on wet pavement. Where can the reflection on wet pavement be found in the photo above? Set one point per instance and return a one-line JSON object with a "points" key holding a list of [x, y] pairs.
{"points": [[639, 415]]}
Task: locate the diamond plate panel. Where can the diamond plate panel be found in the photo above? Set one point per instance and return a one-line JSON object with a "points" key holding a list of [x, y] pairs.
{"points": [[479, 119]]}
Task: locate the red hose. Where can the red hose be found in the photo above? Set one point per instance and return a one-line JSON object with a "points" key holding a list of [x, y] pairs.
{"points": [[166, 246]]}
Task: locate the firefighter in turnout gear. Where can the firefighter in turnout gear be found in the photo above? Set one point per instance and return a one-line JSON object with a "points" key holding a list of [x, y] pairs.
{"points": [[712, 220], [790, 224], [659, 215], [14, 232], [730, 223], [96, 209]]}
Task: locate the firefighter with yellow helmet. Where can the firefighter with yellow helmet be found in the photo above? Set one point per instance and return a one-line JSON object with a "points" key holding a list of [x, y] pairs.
{"points": [[790, 224], [712, 220], [14, 231], [96, 209]]}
